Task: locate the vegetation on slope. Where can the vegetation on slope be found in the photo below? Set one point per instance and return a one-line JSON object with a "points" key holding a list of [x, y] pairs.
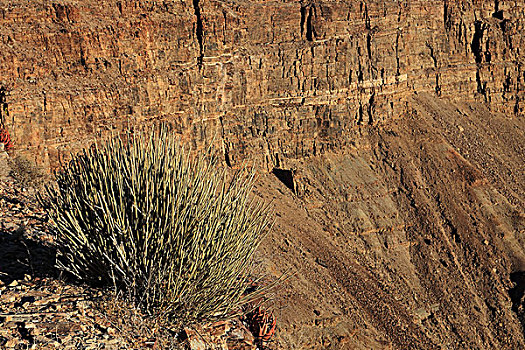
{"points": [[168, 229]]}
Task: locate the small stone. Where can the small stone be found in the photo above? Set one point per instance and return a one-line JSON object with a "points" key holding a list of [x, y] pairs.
{"points": [[220, 328], [13, 284], [150, 343], [11, 343], [236, 334], [485, 242], [195, 342]]}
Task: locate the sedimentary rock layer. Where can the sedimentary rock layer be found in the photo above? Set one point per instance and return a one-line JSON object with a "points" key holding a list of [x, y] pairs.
{"points": [[267, 80]]}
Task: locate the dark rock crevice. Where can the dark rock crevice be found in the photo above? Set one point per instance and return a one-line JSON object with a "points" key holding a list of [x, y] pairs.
{"points": [[371, 108], [303, 19], [366, 16], [369, 46], [397, 52], [227, 158], [308, 11], [517, 295], [4, 110], [497, 12], [199, 31], [482, 86], [447, 21], [479, 28], [286, 176], [310, 30]]}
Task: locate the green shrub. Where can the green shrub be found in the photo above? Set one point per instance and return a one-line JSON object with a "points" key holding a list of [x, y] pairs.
{"points": [[157, 222]]}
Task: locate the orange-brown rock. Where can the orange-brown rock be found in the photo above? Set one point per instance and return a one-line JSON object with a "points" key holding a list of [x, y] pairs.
{"points": [[396, 126], [271, 80]]}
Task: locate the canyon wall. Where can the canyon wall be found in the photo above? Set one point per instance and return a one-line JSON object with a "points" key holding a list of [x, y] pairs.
{"points": [[267, 80], [402, 120]]}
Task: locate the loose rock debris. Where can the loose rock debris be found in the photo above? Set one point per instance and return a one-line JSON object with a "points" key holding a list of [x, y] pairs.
{"points": [[41, 310]]}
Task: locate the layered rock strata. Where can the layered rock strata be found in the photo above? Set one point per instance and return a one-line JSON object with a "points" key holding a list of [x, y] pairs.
{"points": [[396, 126], [267, 80]]}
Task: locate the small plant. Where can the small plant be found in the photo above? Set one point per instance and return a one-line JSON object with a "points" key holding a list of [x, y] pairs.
{"points": [[5, 138], [167, 228], [262, 324], [26, 172]]}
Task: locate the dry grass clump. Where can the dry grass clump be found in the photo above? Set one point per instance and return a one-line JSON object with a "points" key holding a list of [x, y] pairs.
{"points": [[166, 228], [26, 172]]}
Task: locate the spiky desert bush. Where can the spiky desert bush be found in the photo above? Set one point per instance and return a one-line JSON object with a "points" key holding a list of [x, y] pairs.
{"points": [[153, 220]]}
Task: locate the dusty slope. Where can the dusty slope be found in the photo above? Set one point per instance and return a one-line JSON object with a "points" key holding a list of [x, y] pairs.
{"points": [[409, 239]]}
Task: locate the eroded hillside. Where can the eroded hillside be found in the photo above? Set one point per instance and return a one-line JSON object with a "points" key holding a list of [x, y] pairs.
{"points": [[390, 136], [408, 239]]}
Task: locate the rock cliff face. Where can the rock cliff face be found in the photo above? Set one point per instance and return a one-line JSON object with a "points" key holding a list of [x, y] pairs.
{"points": [[396, 127], [271, 80]]}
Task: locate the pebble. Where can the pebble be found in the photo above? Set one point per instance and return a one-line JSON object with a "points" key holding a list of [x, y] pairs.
{"points": [[13, 284]]}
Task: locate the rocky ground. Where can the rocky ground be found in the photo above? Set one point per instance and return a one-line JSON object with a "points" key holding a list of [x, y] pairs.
{"points": [[40, 309]]}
